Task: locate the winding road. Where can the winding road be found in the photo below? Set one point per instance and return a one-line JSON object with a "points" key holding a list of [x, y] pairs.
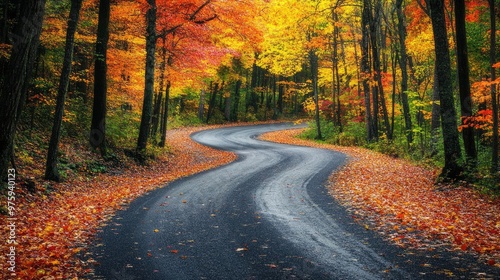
{"points": [[265, 216]]}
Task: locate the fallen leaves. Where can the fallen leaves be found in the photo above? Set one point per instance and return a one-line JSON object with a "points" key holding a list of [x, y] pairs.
{"points": [[54, 229], [404, 204]]}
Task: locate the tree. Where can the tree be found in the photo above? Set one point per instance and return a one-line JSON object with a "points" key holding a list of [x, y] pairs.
{"points": [[51, 171], [98, 125], [496, 140], [313, 60], [17, 76], [464, 83], [151, 38], [404, 71], [372, 133], [452, 153]]}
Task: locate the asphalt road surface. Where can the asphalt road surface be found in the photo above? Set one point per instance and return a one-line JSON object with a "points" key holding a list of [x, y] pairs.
{"points": [[265, 216]]}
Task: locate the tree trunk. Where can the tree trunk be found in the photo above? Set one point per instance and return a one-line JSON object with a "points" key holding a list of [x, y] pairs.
{"points": [[213, 97], [379, 92], [201, 105], [452, 152], [464, 84], [404, 71], [365, 68], [98, 125], [17, 75], [313, 59], [494, 104], [147, 104], [227, 107], [159, 98], [436, 118], [234, 116], [164, 120], [336, 34], [51, 171]]}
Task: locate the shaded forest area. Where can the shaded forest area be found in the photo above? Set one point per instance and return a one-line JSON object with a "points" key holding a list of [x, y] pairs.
{"points": [[413, 79]]}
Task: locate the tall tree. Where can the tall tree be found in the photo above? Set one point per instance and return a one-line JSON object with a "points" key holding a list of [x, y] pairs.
{"points": [[98, 125], [365, 68], [378, 91], [313, 60], [464, 83], [51, 171], [149, 78], [17, 76], [494, 98], [404, 69], [452, 152]]}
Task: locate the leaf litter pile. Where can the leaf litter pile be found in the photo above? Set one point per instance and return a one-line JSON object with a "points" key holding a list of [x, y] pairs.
{"points": [[53, 230], [400, 201]]}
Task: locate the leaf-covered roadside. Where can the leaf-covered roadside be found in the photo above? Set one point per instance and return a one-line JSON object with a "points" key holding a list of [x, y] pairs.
{"points": [[53, 230], [401, 202]]}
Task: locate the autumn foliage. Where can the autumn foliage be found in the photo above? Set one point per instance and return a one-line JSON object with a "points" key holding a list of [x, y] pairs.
{"points": [[55, 229]]}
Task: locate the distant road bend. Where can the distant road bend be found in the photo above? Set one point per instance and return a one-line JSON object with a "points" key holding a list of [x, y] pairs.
{"points": [[265, 216]]}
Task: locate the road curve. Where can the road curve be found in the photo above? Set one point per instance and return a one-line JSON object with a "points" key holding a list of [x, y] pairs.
{"points": [[265, 216]]}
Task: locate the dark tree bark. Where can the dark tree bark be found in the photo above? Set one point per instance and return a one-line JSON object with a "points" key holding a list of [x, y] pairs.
{"points": [[164, 119], [234, 114], [313, 59], [404, 70], [51, 171], [227, 108], [213, 97], [464, 84], [365, 68], [379, 91], [17, 76], [436, 118], [159, 97], [98, 125], [335, 59], [201, 105], [147, 104], [452, 152], [494, 98]]}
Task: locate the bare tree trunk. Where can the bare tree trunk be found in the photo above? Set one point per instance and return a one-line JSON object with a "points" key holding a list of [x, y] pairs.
{"points": [[213, 96], [201, 105], [164, 119], [151, 38], [379, 92], [365, 68], [452, 152], [156, 118], [436, 118], [17, 76], [98, 125], [51, 171], [404, 71], [464, 84], [313, 59]]}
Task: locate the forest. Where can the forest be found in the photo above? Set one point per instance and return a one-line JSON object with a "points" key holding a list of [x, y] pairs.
{"points": [[411, 79]]}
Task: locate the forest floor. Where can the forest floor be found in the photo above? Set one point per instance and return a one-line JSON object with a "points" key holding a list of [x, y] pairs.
{"points": [[55, 222]]}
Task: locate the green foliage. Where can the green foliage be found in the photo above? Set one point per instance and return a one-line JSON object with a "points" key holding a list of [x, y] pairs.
{"points": [[122, 128], [184, 119]]}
